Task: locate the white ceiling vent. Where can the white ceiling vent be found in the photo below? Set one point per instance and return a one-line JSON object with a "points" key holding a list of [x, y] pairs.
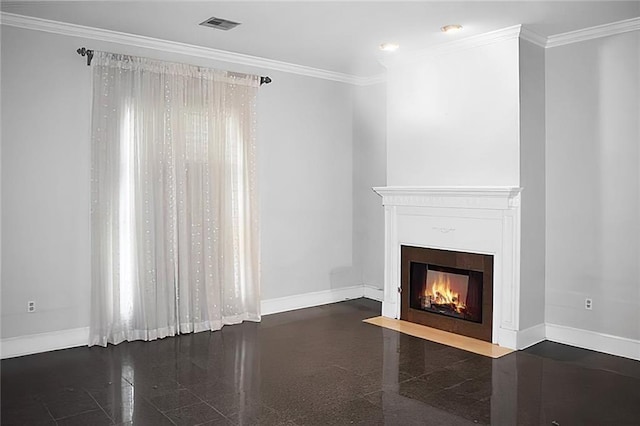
{"points": [[219, 23]]}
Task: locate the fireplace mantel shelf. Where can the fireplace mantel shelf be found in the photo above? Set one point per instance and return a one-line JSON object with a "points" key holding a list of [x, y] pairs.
{"points": [[482, 197], [454, 190]]}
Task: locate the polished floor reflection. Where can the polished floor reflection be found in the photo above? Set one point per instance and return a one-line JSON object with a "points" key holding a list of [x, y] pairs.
{"points": [[317, 366]]}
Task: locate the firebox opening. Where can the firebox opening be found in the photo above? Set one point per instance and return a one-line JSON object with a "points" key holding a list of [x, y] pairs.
{"points": [[446, 291], [461, 301]]}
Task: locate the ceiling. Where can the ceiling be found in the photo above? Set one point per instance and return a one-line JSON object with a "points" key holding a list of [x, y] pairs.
{"points": [[330, 35]]}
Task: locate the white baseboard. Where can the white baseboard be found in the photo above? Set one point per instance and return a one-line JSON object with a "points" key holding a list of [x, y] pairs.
{"points": [[43, 342], [62, 339], [373, 292], [607, 343], [530, 336], [506, 338], [307, 300]]}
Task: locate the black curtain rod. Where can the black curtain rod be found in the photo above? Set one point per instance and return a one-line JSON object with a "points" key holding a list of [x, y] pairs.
{"points": [[89, 54]]}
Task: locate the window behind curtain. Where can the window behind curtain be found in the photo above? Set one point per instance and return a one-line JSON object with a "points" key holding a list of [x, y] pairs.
{"points": [[174, 202]]}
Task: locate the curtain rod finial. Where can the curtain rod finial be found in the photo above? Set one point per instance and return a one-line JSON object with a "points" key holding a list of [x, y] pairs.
{"points": [[265, 80], [86, 52]]}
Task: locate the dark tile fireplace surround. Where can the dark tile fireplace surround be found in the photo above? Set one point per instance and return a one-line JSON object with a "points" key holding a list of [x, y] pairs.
{"points": [[447, 290]]}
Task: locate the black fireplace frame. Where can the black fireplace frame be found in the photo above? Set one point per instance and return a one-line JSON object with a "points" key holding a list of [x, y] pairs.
{"points": [[476, 262]]}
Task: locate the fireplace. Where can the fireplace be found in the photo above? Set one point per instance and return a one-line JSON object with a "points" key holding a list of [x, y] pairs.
{"points": [[448, 290], [466, 221]]}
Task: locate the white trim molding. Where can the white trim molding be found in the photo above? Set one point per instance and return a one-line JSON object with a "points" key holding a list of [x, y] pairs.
{"points": [[515, 31], [373, 292], [43, 342], [512, 32], [614, 345], [590, 33], [472, 42], [73, 30], [533, 37], [480, 197], [373, 80], [530, 336], [308, 300], [601, 342]]}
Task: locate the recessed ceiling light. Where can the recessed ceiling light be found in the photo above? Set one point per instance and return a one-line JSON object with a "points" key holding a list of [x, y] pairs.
{"points": [[389, 47], [450, 29]]}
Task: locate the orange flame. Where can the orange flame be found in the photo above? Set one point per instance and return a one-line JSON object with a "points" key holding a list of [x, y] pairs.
{"points": [[440, 293]]}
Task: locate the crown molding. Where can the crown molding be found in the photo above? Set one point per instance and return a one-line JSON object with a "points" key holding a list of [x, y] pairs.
{"points": [[532, 37], [598, 31], [374, 79], [73, 30], [516, 31], [454, 46]]}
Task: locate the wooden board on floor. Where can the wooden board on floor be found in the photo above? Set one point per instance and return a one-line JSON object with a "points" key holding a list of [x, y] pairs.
{"points": [[443, 337]]}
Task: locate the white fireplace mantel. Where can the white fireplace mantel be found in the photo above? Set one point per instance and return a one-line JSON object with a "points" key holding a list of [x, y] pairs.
{"points": [[483, 220]]}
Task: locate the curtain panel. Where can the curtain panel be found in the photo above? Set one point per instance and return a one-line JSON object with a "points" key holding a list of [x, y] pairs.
{"points": [[174, 199]]}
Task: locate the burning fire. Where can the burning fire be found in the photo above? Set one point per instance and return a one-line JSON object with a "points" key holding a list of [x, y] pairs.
{"points": [[440, 293]]}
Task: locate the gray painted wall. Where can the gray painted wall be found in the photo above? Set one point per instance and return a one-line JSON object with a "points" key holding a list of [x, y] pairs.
{"points": [[322, 146], [369, 170], [532, 180], [593, 185], [305, 177]]}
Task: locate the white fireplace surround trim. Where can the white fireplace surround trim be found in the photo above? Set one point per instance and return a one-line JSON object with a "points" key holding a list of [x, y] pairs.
{"points": [[484, 220]]}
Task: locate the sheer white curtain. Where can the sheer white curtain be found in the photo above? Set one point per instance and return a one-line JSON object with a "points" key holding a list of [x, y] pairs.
{"points": [[174, 203]]}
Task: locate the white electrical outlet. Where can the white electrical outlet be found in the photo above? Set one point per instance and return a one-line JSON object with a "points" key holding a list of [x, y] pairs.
{"points": [[31, 306], [588, 303]]}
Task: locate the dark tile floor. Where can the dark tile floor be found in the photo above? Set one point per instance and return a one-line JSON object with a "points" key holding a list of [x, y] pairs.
{"points": [[317, 366]]}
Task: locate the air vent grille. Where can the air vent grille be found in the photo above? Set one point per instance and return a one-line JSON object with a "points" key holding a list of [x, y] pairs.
{"points": [[219, 23]]}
